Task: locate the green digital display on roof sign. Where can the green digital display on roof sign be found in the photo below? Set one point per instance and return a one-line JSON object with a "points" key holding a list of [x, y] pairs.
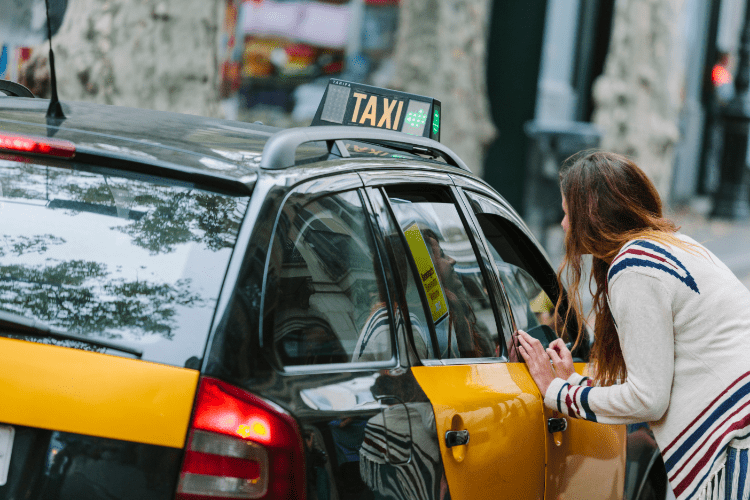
{"points": [[359, 105]]}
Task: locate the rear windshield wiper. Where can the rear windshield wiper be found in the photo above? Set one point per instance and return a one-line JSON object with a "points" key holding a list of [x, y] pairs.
{"points": [[36, 328]]}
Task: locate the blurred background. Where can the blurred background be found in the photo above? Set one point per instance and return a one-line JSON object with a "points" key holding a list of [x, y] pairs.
{"points": [[523, 83]]}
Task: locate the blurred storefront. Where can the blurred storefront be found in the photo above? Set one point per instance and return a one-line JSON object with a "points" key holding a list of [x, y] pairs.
{"points": [[21, 27], [11, 58], [278, 54]]}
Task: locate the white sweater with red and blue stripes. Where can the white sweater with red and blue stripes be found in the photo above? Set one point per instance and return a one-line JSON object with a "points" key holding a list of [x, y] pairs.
{"points": [[683, 322]]}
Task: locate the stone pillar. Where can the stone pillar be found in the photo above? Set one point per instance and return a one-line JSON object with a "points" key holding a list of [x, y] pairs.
{"points": [[441, 53], [155, 54], [638, 97]]}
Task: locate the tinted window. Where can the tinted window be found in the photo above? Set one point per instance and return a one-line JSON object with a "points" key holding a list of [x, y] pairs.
{"points": [[529, 286], [139, 261], [460, 311], [409, 309], [324, 290]]}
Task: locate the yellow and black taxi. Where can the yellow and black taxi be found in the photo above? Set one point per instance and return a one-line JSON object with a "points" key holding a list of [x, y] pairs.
{"points": [[195, 308]]}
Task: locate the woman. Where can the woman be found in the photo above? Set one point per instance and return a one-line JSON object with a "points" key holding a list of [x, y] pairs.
{"points": [[672, 331]]}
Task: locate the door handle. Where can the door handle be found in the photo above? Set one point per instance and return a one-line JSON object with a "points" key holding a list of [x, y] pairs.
{"points": [[456, 438], [556, 425]]}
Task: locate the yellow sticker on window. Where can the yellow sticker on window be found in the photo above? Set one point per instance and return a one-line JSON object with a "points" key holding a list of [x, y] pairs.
{"points": [[430, 282]]}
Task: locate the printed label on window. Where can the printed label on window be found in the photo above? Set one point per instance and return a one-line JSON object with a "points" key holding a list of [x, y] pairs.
{"points": [[432, 287]]}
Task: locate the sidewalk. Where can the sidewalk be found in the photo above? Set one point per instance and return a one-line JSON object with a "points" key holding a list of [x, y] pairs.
{"points": [[729, 240]]}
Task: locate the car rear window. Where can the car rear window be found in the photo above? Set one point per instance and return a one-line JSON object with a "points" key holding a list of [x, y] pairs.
{"points": [[131, 259]]}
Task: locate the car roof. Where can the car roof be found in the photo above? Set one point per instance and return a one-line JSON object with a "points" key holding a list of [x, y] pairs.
{"points": [[207, 145], [194, 146]]}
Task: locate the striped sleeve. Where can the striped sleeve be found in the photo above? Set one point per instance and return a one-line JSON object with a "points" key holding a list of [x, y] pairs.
{"points": [[578, 379], [570, 399], [641, 306]]}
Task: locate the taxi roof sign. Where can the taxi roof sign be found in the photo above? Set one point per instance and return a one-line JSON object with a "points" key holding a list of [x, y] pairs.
{"points": [[358, 105]]}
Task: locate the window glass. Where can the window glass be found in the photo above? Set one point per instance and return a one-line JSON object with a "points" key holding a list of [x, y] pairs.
{"points": [[406, 295], [326, 289], [450, 277], [531, 305], [132, 259]]}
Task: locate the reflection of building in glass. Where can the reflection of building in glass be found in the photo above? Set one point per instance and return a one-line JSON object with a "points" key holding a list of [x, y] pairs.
{"points": [[328, 272]]}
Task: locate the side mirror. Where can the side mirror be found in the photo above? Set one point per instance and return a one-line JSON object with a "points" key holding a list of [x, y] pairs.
{"points": [[546, 334], [543, 334]]}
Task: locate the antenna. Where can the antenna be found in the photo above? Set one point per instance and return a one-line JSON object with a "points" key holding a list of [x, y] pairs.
{"points": [[55, 109]]}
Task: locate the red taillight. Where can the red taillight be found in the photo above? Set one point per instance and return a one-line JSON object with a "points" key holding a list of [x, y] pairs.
{"points": [[240, 446], [46, 146]]}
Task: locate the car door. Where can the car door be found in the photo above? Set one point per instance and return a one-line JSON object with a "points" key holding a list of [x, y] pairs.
{"points": [[577, 450], [337, 343], [488, 413]]}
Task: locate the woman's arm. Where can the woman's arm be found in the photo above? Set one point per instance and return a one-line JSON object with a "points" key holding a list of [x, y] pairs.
{"points": [[642, 308]]}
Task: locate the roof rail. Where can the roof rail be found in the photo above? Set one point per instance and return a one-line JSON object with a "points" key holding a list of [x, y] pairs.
{"points": [[279, 151], [14, 89]]}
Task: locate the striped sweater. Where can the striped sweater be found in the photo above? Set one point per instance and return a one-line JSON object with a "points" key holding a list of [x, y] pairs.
{"points": [[683, 322]]}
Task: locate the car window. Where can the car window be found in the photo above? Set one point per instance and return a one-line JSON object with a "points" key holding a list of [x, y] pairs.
{"points": [[324, 290], [528, 287], [132, 259], [406, 295], [461, 315]]}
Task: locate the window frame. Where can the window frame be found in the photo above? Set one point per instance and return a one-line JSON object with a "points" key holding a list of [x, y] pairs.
{"points": [[313, 190], [502, 317], [536, 263]]}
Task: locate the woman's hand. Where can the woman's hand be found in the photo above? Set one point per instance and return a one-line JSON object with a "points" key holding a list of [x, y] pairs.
{"points": [[561, 358], [537, 360]]}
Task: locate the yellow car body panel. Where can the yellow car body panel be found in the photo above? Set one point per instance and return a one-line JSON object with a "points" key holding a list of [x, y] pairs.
{"points": [[586, 452], [501, 408], [83, 392]]}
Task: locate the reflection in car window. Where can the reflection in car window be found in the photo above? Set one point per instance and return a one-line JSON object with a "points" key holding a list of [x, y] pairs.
{"points": [[532, 308], [452, 280], [327, 292], [408, 308], [133, 260]]}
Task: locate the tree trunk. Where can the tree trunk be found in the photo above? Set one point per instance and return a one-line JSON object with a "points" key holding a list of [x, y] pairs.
{"points": [[156, 54], [441, 53], [638, 97]]}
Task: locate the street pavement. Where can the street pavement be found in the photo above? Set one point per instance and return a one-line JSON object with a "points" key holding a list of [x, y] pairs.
{"points": [[729, 240]]}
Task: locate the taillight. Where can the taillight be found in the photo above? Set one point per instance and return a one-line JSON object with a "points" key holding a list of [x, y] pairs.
{"points": [[46, 146], [240, 446]]}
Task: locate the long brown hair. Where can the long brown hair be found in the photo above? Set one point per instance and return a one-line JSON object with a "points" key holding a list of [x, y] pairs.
{"points": [[610, 201]]}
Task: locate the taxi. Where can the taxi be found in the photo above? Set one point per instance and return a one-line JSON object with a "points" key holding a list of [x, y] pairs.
{"points": [[196, 308]]}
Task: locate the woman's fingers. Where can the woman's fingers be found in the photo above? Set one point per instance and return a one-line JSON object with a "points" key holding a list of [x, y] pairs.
{"points": [[531, 348], [537, 360], [557, 344], [553, 355], [561, 358]]}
